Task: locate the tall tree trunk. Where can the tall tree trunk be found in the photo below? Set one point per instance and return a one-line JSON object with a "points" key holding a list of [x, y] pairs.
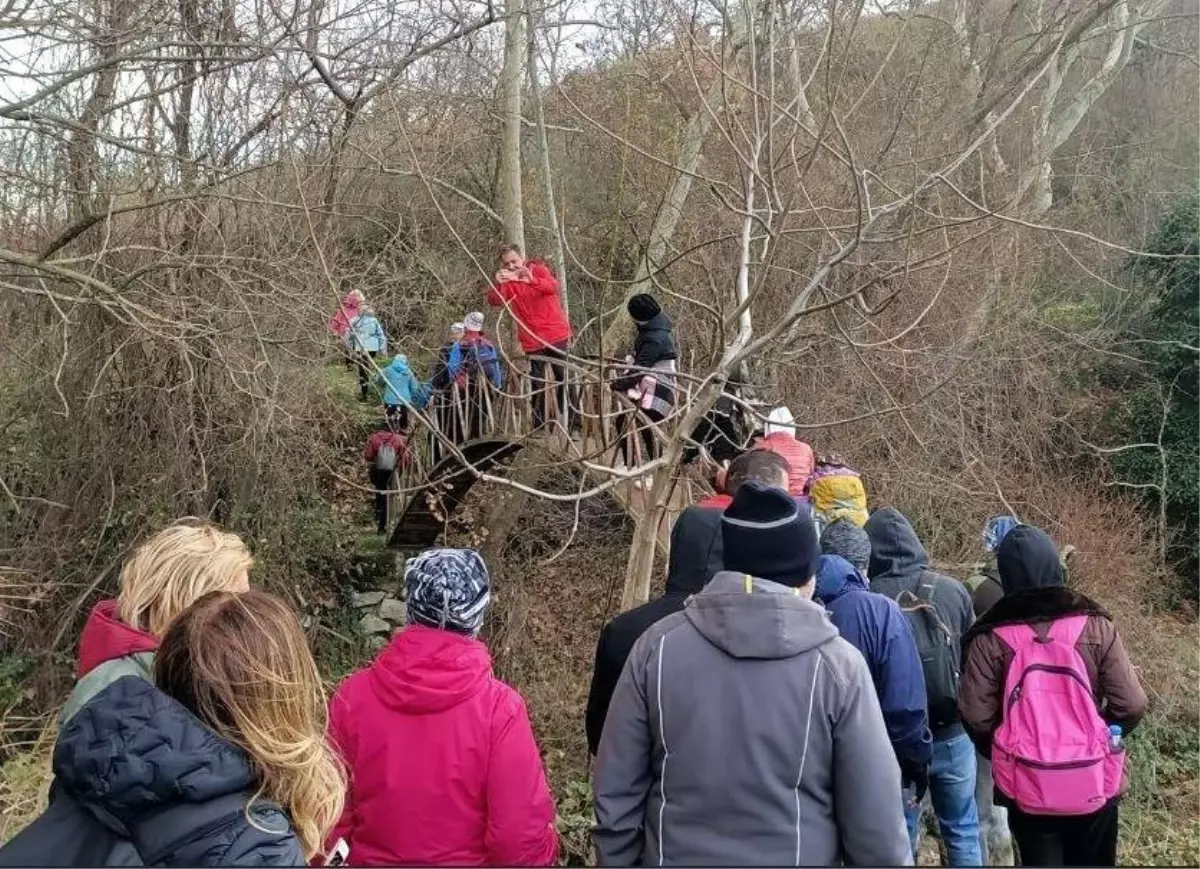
{"points": [[966, 48], [662, 230], [545, 176], [686, 162], [81, 145], [1061, 111], [189, 22], [639, 568], [508, 191]]}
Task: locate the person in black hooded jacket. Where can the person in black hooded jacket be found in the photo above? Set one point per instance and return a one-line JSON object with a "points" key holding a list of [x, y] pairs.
{"points": [[1036, 594], [140, 781], [899, 569], [695, 558], [650, 383], [221, 761]]}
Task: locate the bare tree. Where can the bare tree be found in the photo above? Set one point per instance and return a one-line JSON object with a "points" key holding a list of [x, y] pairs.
{"points": [[512, 77]]}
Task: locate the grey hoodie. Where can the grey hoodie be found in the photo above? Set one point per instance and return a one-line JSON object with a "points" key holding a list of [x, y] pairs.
{"points": [[745, 731]]}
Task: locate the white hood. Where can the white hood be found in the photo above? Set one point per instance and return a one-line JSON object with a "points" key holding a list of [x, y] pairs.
{"points": [[780, 421]]}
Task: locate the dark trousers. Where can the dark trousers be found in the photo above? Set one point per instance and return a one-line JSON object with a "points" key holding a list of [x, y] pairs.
{"points": [[476, 413], [397, 417], [380, 481], [551, 357], [364, 359], [634, 419], [1084, 840], [446, 417]]}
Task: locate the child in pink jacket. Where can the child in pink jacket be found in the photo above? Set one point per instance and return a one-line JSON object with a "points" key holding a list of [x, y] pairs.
{"points": [[442, 764]]}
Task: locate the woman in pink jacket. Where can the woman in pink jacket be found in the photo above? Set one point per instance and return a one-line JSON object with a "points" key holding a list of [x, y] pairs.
{"points": [[442, 763]]}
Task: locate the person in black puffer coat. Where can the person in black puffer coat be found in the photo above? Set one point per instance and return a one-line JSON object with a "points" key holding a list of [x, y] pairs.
{"points": [[650, 382], [695, 559], [185, 772], [140, 781]]}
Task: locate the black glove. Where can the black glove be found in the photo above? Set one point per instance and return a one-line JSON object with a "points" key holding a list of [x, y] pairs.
{"points": [[917, 775]]}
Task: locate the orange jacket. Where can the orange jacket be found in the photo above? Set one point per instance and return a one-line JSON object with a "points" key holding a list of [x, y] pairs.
{"points": [[798, 454]]}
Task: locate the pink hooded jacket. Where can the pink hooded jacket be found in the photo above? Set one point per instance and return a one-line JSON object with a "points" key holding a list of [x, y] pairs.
{"points": [[346, 312], [443, 766]]}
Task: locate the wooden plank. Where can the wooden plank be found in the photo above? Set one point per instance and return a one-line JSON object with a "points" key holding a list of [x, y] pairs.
{"points": [[428, 509]]}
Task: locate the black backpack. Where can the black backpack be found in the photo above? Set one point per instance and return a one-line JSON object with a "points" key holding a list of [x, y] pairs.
{"points": [[939, 650]]}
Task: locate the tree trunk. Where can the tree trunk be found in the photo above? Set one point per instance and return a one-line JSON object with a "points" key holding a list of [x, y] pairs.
{"points": [[1061, 113], [189, 21], [508, 191], [81, 145], [545, 176], [662, 230], [966, 46]]}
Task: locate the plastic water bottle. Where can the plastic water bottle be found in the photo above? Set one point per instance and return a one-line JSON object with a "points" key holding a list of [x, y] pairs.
{"points": [[1116, 742]]}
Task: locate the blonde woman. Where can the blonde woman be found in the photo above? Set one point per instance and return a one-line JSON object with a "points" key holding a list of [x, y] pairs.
{"points": [[165, 574], [225, 763]]}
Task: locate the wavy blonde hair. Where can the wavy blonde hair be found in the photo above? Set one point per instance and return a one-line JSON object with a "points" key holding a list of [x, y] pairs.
{"points": [[241, 663], [174, 568]]}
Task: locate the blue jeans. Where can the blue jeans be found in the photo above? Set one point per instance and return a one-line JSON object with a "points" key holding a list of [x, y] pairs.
{"points": [[952, 792]]}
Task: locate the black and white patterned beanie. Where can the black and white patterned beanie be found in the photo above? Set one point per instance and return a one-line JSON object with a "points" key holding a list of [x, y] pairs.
{"points": [[448, 589]]}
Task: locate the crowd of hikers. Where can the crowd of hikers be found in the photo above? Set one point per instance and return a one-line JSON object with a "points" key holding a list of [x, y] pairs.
{"points": [[806, 683], [804, 690]]}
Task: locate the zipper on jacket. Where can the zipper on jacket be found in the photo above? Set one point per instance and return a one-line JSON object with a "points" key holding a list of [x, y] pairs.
{"points": [[1046, 668], [205, 831], [1068, 764]]}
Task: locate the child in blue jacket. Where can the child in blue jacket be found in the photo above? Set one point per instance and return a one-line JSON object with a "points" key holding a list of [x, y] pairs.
{"points": [[401, 390]]}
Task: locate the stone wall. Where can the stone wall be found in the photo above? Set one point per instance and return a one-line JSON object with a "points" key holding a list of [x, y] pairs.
{"points": [[379, 614]]}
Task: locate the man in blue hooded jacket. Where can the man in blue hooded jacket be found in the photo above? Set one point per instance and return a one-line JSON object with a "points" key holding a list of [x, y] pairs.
{"points": [[875, 626]]}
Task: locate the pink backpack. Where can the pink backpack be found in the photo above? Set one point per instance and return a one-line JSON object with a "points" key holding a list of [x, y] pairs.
{"points": [[1051, 754]]}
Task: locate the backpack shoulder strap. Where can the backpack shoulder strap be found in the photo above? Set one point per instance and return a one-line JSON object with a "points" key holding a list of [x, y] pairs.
{"points": [[1067, 630], [1015, 636], [926, 587]]}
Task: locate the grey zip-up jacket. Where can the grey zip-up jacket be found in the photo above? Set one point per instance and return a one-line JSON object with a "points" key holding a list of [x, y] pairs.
{"points": [[745, 731]]}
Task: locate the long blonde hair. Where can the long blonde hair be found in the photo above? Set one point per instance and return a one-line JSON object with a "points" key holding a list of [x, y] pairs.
{"points": [[241, 663], [175, 567]]}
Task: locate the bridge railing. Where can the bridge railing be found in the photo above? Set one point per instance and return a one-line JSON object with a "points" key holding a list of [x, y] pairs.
{"points": [[586, 408], [585, 405]]}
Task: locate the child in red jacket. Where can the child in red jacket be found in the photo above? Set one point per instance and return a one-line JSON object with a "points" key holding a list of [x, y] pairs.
{"points": [[442, 763], [386, 451], [529, 290]]}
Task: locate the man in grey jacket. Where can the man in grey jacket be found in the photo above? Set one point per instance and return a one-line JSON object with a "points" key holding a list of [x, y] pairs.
{"points": [[744, 730]]}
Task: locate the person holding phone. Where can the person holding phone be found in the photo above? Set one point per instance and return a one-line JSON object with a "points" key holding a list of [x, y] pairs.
{"points": [[529, 290]]}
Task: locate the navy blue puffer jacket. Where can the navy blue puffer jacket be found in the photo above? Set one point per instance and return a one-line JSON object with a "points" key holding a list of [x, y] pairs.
{"points": [[140, 781]]}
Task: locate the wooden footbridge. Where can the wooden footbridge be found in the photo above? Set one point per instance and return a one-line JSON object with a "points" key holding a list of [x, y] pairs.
{"points": [[477, 429]]}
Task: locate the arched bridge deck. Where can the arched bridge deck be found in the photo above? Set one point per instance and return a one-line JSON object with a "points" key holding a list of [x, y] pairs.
{"points": [[500, 423]]}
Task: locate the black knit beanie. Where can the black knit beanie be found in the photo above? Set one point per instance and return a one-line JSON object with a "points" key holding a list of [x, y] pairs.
{"points": [[765, 534], [643, 307]]}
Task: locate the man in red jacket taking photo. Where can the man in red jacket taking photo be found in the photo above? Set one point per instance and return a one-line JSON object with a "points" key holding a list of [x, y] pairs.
{"points": [[529, 290]]}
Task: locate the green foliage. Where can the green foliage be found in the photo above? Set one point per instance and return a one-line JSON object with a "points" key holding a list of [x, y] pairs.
{"points": [[1163, 408], [1164, 754], [575, 820], [14, 669]]}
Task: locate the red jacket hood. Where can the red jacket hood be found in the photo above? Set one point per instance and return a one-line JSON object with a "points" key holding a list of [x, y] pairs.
{"points": [[716, 502], [427, 670], [106, 638]]}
